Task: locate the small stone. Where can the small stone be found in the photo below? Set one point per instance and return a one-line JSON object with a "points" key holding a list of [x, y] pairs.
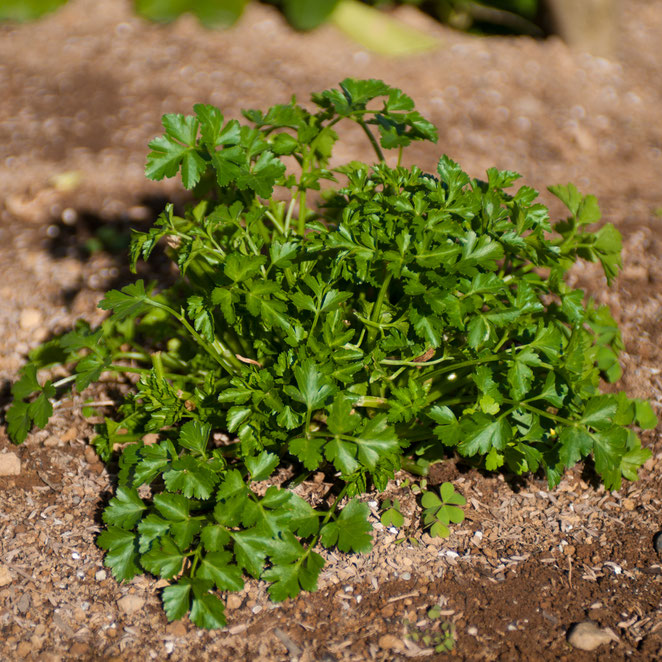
{"points": [[79, 649], [390, 642], [472, 630], [24, 602], [5, 575], [130, 604], [10, 465], [587, 636], [90, 455], [234, 601], [100, 575], [387, 611], [30, 318], [24, 649], [176, 629], [628, 504], [70, 435], [657, 542]]}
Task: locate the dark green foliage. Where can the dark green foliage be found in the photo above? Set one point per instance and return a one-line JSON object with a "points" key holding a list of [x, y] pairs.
{"points": [[504, 15], [409, 316]]}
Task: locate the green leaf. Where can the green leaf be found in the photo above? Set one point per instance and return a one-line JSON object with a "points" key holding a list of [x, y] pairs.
{"points": [[262, 177], [301, 517], [487, 433], [19, 421], [576, 444], [341, 419], [194, 435], [375, 440], [191, 476], [216, 567], [214, 537], [89, 369], [599, 411], [124, 509], [262, 466], [568, 195], [121, 552], [646, 418], [608, 448], [306, 15], [151, 528], [314, 388], [207, 610], [130, 302], [27, 384], [251, 547], [342, 454], [308, 451], [177, 599], [241, 267], [164, 560], [174, 507], [351, 530], [289, 579], [392, 515]]}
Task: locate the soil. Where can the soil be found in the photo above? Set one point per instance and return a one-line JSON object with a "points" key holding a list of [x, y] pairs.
{"points": [[82, 93]]}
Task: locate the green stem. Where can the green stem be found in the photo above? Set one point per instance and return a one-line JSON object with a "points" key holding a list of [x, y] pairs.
{"points": [[116, 367], [223, 356], [541, 412], [373, 141], [377, 309], [288, 216], [158, 365], [64, 380], [277, 225], [138, 356]]}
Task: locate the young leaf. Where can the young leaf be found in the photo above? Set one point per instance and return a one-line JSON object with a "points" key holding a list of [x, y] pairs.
{"points": [[289, 579], [129, 302], [262, 466], [124, 509], [350, 532], [216, 567], [121, 552]]}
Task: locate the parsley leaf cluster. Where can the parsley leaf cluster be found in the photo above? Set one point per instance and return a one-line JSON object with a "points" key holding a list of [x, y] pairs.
{"points": [[350, 319]]}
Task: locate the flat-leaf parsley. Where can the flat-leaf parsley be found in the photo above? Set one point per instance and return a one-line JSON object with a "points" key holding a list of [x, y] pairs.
{"points": [[349, 319]]}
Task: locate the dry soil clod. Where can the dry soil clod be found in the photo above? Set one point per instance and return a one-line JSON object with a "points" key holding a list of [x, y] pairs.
{"points": [[587, 636], [10, 464]]}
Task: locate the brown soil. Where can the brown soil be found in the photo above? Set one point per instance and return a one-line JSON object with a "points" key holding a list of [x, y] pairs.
{"points": [[83, 92]]}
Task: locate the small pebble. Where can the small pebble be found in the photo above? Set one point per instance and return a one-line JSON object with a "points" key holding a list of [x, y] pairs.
{"points": [[234, 601], [100, 575], [587, 636], [472, 630], [10, 465], [657, 542], [406, 576], [130, 604], [391, 642], [30, 318], [176, 629], [5, 575]]}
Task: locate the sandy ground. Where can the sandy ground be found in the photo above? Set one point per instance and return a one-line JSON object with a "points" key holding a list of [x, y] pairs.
{"points": [[82, 93]]}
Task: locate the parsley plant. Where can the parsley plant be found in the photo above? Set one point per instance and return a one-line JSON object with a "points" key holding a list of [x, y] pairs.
{"points": [[387, 319]]}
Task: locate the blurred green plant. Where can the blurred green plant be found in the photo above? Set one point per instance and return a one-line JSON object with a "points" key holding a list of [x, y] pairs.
{"points": [[516, 16], [439, 635], [27, 10]]}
